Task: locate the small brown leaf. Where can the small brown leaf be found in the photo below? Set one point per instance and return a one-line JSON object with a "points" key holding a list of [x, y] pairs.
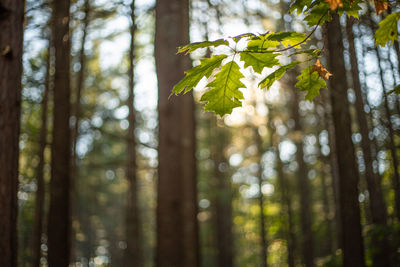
{"points": [[334, 4], [380, 6], [323, 73]]}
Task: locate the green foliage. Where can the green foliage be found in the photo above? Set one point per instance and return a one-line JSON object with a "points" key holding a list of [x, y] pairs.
{"points": [[387, 31], [194, 46], [262, 43], [259, 61], [287, 38], [318, 15], [276, 75], [395, 90], [193, 76], [224, 94], [263, 51], [310, 82]]}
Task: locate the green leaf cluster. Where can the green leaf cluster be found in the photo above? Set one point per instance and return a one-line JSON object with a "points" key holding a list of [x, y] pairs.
{"points": [[387, 31], [310, 82], [264, 50]]}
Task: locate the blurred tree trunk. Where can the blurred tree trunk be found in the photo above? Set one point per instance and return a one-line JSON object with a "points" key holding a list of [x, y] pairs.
{"points": [[381, 255], [11, 40], [77, 115], [328, 185], [223, 195], [132, 254], [59, 221], [303, 184], [392, 146], [287, 208], [334, 168], [352, 243], [286, 200], [177, 237], [261, 200], [40, 191]]}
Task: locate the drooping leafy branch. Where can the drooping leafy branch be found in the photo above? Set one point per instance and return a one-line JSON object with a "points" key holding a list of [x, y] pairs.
{"points": [[263, 50]]}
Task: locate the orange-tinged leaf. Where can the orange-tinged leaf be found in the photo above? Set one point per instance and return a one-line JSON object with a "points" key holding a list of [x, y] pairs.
{"points": [[323, 73], [380, 6], [334, 4]]}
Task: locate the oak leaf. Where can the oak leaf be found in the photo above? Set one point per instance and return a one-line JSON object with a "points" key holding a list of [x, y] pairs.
{"points": [[381, 6], [334, 4], [323, 73]]}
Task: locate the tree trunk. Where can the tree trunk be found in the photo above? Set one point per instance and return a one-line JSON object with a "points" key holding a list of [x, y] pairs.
{"points": [[40, 191], [381, 255], [189, 183], [176, 205], [286, 201], [392, 147], [59, 221], [303, 184], [11, 36], [352, 243], [223, 196], [287, 207], [132, 254], [77, 116], [334, 168], [261, 200]]}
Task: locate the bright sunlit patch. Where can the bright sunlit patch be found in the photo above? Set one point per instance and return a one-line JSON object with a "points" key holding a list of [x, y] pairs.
{"points": [[267, 189], [235, 160]]}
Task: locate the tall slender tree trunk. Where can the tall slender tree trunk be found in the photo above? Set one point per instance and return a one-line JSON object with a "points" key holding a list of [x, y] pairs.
{"points": [[177, 241], [59, 221], [261, 200], [286, 201], [132, 254], [334, 168], [189, 183], [303, 184], [326, 185], [287, 206], [11, 36], [392, 147], [352, 243], [381, 256], [223, 197], [77, 115], [40, 191]]}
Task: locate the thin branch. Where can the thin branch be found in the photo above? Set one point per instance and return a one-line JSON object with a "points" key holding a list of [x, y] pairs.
{"points": [[290, 47]]}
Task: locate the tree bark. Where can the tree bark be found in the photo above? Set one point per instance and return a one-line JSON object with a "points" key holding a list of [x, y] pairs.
{"points": [[392, 147], [381, 255], [11, 42], [334, 168], [284, 188], [287, 207], [77, 115], [303, 184], [261, 200], [352, 243], [223, 196], [177, 242], [59, 221], [132, 254], [40, 191]]}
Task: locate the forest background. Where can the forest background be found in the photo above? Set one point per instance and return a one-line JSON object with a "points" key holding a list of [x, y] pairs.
{"points": [[115, 172]]}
